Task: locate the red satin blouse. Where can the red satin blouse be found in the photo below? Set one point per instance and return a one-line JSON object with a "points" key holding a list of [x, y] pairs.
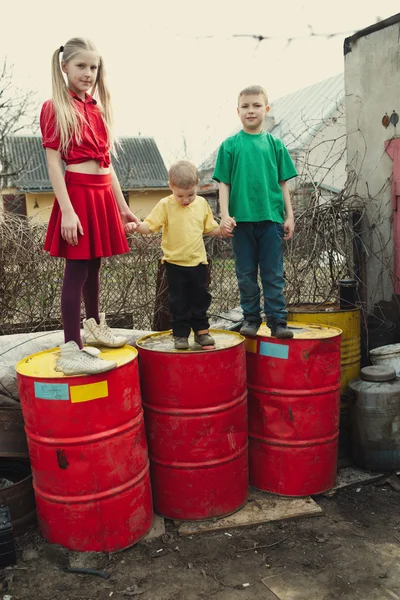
{"points": [[94, 143]]}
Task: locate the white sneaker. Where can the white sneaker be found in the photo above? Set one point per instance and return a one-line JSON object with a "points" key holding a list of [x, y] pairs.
{"points": [[74, 361], [101, 334]]}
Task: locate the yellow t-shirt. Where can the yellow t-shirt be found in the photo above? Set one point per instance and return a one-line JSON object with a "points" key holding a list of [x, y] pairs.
{"points": [[182, 229]]}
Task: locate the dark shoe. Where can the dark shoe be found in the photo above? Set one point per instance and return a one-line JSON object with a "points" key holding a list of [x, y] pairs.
{"points": [[280, 330], [204, 339], [249, 327], [181, 343]]}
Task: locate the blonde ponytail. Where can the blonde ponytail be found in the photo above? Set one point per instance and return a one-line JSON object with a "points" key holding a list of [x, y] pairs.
{"points": [[68, 120]]}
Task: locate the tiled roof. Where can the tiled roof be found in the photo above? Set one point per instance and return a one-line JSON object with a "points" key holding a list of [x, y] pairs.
{"points": [[297, 117], [139, 164]]}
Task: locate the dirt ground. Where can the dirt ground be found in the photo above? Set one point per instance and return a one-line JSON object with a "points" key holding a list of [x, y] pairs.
{"points": [[352, 551]]}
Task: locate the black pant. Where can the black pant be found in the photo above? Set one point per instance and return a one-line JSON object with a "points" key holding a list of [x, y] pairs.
{"points": [[188, 298]]}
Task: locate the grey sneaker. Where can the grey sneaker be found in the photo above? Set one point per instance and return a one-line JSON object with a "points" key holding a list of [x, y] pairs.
{"points": [[249, 327], [280, 330], [181, 343], [204, 339], [74, 361]]}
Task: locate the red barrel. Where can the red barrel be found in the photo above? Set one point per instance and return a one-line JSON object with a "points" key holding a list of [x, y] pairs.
{"points": [[294, 398], [88, 451], [196, 419]]}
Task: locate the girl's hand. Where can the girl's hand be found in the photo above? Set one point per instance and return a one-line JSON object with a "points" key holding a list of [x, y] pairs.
{"points": [[70, 227], [128, 217], [288, 228]]}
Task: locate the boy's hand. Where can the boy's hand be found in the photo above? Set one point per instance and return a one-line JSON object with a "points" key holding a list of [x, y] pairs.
{"points": [[223, 233], [131, 227], [228, 224], [288, 228]]}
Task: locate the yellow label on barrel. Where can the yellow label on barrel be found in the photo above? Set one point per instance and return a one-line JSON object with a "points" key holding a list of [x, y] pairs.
{"points": [[90, 391]]}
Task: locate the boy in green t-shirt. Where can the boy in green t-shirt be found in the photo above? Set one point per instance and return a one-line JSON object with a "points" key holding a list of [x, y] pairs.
{"points": [[252, 170]]}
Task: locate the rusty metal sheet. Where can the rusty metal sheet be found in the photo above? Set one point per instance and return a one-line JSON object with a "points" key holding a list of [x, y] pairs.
{"points": [[19, 497], [13, 442]]}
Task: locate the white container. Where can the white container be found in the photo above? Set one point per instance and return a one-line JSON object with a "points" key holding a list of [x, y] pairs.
{"points": [[387, 356]]}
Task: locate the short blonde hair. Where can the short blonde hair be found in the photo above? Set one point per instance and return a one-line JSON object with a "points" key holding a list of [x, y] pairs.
{"points": [[256, 90], [183, 174]]}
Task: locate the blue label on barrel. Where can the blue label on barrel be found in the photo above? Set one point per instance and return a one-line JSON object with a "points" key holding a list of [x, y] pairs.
{"points": [[274, 350], [51, 391]]}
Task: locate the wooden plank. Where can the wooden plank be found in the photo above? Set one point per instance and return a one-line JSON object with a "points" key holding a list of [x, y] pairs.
{"points": [[351, 477], [260, 508], [157, 530], [293, 586]]}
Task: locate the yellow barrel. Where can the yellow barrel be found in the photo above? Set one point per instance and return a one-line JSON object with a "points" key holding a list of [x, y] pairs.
{"points": [[348, 321]]}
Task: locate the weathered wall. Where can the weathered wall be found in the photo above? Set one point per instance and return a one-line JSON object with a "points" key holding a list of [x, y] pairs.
{"points": [[325, 156], [142, 201], [372, 84], [38, 206]]}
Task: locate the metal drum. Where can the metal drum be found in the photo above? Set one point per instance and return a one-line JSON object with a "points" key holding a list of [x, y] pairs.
{"points": [[376, 419], [196, 419], [348, 321], [294, 397], [88, 452]]}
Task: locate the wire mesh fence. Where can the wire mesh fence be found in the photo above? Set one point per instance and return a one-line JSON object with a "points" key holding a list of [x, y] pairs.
{"points": [[131, 290]]}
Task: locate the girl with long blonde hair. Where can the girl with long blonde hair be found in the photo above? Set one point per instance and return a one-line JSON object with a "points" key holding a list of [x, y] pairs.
{"points": [[89, 211]]}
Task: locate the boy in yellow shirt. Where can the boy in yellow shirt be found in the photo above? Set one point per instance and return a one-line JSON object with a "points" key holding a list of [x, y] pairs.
{"points": [[184, 218]]}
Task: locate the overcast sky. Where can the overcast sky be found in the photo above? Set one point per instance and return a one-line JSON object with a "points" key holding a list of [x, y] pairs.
{"points": [[175, 66]]}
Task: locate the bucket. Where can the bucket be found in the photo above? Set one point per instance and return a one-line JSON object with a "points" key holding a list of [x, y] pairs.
{"points": [[387, 356]]}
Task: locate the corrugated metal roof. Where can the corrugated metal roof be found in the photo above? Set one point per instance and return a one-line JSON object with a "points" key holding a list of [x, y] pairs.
{"points": [[297, 117], [139, 164], [300, 115]]}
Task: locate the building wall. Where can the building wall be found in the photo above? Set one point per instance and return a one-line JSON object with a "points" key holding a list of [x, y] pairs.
{"points": [[372, 89], [326, 154], [38, 206], [141, 202]]}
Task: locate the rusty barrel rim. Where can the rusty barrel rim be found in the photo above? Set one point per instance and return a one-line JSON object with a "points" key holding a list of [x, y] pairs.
{"points": [[141, 342]]}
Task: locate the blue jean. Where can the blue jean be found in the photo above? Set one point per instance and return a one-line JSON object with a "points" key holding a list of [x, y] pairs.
{"points": [[254, 245]]}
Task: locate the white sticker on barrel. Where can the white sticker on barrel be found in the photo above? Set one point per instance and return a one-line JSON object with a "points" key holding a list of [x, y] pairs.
{"points": [[51, 391], [274, 350]]}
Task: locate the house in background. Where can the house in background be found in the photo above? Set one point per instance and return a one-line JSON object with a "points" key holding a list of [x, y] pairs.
{"points": [[26, 190], [311, 123], [371, 58]]}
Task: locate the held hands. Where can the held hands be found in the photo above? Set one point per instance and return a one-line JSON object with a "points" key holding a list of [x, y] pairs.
{"points": [[132, 226], [227, 225], [288, 228], [127, 217], [70, 228]]}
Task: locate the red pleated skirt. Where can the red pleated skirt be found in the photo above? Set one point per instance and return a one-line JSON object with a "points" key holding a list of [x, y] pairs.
{"points": [[94, 202]]}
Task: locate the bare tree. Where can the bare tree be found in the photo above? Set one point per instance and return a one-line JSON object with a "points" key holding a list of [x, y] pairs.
{"points": [[18, 112]]}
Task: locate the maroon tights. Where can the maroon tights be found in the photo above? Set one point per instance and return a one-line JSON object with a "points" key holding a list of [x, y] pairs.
{"points": [[81, 277]]}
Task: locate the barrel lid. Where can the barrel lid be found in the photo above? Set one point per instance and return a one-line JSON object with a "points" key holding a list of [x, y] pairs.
{"points": [[42, 364], [304, 331], [378, 373], [385, 350], [164, 342]]}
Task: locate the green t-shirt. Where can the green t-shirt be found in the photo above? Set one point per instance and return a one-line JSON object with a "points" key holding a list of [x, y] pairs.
{"points": [[253, 165]]}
